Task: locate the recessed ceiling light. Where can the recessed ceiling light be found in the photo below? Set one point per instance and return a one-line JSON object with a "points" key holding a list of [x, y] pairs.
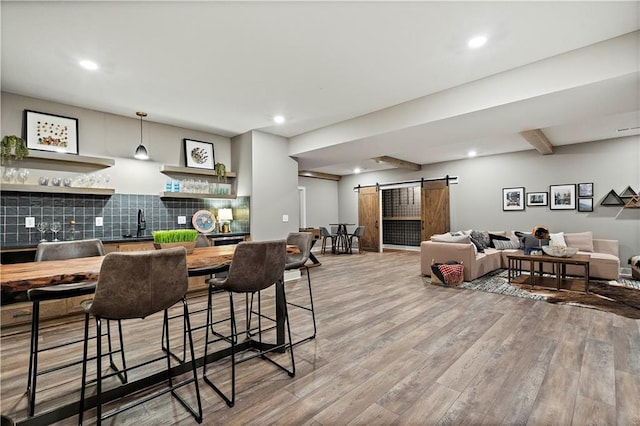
{"points": [[88, 65], [278, 119], [477, 41], [472, 153], [356, 170]]}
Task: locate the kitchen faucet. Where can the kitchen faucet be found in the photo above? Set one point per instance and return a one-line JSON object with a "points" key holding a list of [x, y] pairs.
{"points": [[142, 223]]}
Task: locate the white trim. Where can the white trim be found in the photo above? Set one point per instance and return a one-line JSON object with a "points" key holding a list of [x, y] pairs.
{"points": [[302, 206]]}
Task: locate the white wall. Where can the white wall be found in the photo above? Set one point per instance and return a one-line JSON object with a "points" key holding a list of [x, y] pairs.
{"points": [[274, 190], [322, 201], [112, 136], [241, 162], [476, 202]]}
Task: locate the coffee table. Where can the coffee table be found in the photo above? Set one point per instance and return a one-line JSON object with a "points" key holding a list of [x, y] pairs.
{"points": [[559, 269]]}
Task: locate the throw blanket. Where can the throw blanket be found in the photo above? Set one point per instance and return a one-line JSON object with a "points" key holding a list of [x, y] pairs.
{"points": [[635, 261]]}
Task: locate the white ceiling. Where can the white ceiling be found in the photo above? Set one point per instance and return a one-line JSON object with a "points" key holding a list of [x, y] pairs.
{"points": [[355, 80]]}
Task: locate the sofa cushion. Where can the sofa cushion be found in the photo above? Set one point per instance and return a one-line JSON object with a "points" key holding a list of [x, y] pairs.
{"points": [[583, 241]]}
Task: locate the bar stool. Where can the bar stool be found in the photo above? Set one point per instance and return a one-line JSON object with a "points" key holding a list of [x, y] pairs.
{"points": [[357, 234], [255, 267], [206, 271], [136, 285], [48, 251], [298, 261]]}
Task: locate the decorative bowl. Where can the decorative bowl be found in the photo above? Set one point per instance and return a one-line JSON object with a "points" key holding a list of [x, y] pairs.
{"points": [[559, 251]]}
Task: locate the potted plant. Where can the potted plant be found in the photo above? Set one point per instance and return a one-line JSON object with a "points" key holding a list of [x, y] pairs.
{"points": [[12, 146], [221, 171], [175, 237]]}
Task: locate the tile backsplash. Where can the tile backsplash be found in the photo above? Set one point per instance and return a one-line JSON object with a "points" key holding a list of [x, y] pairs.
{"points": [[119, 213]]}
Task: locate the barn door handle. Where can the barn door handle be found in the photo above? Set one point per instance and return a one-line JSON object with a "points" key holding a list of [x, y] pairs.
{"points": [[376, 224]]}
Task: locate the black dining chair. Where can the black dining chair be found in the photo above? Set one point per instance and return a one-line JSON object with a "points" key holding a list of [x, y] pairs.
{"points": [[357, 234], [62, 250], [136, 285], [256, 266], [326, 235]]}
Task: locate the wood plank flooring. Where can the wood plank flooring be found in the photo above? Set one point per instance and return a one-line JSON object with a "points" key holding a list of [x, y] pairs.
{"points": [[390, 350]]}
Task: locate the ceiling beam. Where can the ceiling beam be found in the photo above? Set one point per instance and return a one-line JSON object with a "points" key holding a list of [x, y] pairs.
{"points": [[538, 140], [401, 164], [318, 175]]}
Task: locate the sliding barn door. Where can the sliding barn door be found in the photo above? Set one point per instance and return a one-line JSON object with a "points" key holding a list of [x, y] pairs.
{"points": [[368, 216], [435, 209]]}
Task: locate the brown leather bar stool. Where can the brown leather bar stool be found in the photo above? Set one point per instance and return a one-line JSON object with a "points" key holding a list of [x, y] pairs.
{"points": [[256, 266], [47, 251], [136, 285]]}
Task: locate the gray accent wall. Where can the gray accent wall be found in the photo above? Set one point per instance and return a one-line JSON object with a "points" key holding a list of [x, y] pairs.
{"points": [[476, 201], [322, 201]]}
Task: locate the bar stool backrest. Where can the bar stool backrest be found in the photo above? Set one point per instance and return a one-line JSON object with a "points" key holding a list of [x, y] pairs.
{"points": [[61, 250], [359, 232], [138, 284], [256, 265], [303, 241]]}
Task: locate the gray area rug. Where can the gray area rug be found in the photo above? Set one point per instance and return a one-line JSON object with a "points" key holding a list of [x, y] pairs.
{"points": [[621, 297]]}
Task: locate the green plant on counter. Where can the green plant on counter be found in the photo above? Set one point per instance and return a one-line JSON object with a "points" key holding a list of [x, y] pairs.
{"points": [[12, 146], [175, 236], [221, 171]]}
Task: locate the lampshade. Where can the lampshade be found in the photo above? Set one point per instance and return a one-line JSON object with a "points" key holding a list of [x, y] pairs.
{"points": [[141, 151], [225, 214]]}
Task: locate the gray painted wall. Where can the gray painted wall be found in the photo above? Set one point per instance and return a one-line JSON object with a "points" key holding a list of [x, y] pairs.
{"points": [[274, 188], [112, 136], [476, 202], [322, 201]]}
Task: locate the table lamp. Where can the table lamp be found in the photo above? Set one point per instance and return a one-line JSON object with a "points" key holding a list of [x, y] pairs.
{"points": [[225, 215]]}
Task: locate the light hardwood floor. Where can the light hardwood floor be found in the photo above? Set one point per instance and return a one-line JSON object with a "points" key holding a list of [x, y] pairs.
{"points": [[394, 350]]}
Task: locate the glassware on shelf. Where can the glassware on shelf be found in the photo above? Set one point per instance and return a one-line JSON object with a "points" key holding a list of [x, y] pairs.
{"points": [[43, 227], [55, 228], [56, 181], [23, 175], [43, 180], [9, 175]]}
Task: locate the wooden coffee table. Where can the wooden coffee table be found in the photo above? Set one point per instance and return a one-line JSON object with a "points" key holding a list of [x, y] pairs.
{"points": [[559, 268]]}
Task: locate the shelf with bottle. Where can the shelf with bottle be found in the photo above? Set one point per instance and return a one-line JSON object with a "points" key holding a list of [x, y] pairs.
{"points": [[197, 183]]}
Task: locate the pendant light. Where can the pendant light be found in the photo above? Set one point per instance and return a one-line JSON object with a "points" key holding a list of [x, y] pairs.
{"points": [[141, 151]]}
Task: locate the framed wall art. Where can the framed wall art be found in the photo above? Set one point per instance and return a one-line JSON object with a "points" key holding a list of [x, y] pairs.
{"points": [[49, 132], [562, 197], [585, 204], [537, 199], [199, 154], [513, 199], [585, 189]]}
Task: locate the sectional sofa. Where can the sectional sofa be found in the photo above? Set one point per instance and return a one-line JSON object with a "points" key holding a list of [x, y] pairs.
{"points": [[605, 261]]}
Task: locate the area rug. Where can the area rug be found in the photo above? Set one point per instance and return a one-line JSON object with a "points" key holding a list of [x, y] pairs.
{"points": [[621, 297]]}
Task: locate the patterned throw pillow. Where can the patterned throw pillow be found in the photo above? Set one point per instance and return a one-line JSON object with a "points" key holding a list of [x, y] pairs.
{"points": [[482, 239], [503, 245]]}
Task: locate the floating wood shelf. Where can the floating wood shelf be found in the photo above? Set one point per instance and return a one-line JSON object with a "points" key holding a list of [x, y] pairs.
{"points": [[196, 195], [70, 158], [10, 187], [192, 171]]}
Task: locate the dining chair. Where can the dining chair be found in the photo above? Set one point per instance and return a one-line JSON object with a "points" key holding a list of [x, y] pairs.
{"points": [[303, 241], [357, 234], [256, 266], [325, 234], [62, 250], [136, 285]]}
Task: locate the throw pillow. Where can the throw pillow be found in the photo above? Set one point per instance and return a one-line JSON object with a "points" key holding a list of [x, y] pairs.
{"points": [[494, 237], [479, 245], [482, 237], [448, 238], [583, 241], [531, 242], [506, 244], [557, 240]]}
